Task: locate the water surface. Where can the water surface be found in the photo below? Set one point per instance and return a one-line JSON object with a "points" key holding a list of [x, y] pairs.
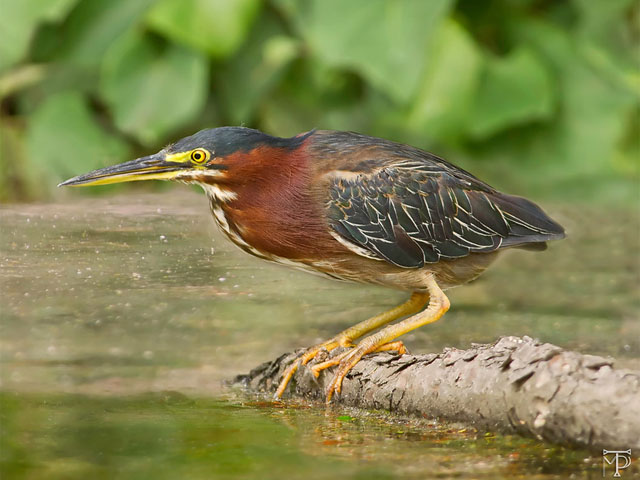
{"points": [[121, 317]]}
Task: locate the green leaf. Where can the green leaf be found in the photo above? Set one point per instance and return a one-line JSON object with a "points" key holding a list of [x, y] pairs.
{"points": [[18, 22], [607, 34], [17, 179], [593, 111], [513, 90], [600, 19], [313, 95], [626, 159], [153, 89], [346, 418], [577, 153], [441, 109], [64, 139], [217, 27], [93, 26], [255, 70], [384, 40]]}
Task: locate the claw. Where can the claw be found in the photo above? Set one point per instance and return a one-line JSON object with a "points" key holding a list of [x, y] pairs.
{"points": [[336, 383], [286, 377], [350, 359], [318, 367], [306, 357]]}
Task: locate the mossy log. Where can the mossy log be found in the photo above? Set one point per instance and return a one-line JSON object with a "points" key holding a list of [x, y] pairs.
{"points": [[515, 385]]}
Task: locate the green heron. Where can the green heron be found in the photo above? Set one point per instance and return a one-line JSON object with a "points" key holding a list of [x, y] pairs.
{"points": [[351, 207]]}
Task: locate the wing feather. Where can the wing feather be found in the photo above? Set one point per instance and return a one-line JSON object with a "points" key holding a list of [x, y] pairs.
{"points": [[411, 214]]}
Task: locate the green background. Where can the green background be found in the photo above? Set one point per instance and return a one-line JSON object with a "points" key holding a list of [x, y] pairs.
{"points": [[538, 97]]}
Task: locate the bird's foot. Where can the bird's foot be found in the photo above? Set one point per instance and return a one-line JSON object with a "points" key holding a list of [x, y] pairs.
{"points": [[347, 360], [307, 356], [387, 347]]}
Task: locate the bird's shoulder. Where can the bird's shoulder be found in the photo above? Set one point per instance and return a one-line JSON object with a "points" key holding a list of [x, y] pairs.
{"points": [[349, 154]]}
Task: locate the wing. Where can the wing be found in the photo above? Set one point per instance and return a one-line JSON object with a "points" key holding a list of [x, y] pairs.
{"points": [[414, 213]]}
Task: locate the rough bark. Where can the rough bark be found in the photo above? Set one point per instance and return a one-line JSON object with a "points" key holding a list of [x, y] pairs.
{"points": [[516, 385]]}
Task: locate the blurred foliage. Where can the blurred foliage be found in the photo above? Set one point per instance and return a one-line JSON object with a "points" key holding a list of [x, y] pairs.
{"points": [[528, 93]]}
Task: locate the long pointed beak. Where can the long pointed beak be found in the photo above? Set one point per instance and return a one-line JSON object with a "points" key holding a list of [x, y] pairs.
{"points": [[152, 167]]}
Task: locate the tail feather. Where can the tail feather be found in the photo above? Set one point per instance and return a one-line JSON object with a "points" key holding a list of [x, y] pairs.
{"points": [[528, 224]]}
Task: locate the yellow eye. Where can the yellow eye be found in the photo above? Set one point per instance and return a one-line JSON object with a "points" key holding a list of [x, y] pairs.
{"points": [[199, 156]]}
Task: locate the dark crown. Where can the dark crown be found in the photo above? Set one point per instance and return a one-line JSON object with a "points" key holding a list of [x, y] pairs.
{"points": [[224, 141]]}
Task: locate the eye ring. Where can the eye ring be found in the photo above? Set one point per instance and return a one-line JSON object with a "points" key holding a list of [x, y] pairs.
{"points": [[199, 156]]}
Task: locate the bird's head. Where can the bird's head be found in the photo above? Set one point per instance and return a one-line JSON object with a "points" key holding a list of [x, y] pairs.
{"points": [[210, 157]]}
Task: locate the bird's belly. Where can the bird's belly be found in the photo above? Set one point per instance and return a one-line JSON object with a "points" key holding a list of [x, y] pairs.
{"points": [[379, 272]]}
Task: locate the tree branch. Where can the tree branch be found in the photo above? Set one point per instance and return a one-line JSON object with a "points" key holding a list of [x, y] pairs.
{"points": [[516, 385]]}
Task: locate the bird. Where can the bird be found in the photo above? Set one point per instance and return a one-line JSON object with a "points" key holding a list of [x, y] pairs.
{"points": [[350, 207]]}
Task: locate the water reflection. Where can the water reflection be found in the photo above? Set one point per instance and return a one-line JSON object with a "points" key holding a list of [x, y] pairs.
{"points": [[168, 435]]}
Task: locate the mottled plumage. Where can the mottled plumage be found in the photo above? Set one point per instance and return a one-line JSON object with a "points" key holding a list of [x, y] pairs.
{"points": [[415, 209]]}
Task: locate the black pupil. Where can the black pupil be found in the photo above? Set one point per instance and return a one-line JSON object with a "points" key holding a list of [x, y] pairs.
{"points": [[197, 156]]}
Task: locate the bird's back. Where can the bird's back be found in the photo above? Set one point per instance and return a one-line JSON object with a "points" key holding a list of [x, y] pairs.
{"points": [[398, 203]]}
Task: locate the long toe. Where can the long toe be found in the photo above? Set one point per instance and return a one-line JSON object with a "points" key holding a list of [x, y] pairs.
{"points": [[347, 362], [305, 358]]}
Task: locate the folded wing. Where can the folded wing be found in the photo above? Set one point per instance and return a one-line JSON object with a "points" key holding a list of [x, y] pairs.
{"points": [[413, 214]]}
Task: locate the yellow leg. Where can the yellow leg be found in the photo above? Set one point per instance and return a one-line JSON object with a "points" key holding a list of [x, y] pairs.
{"points": [[345, 339], [438, 306]]}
